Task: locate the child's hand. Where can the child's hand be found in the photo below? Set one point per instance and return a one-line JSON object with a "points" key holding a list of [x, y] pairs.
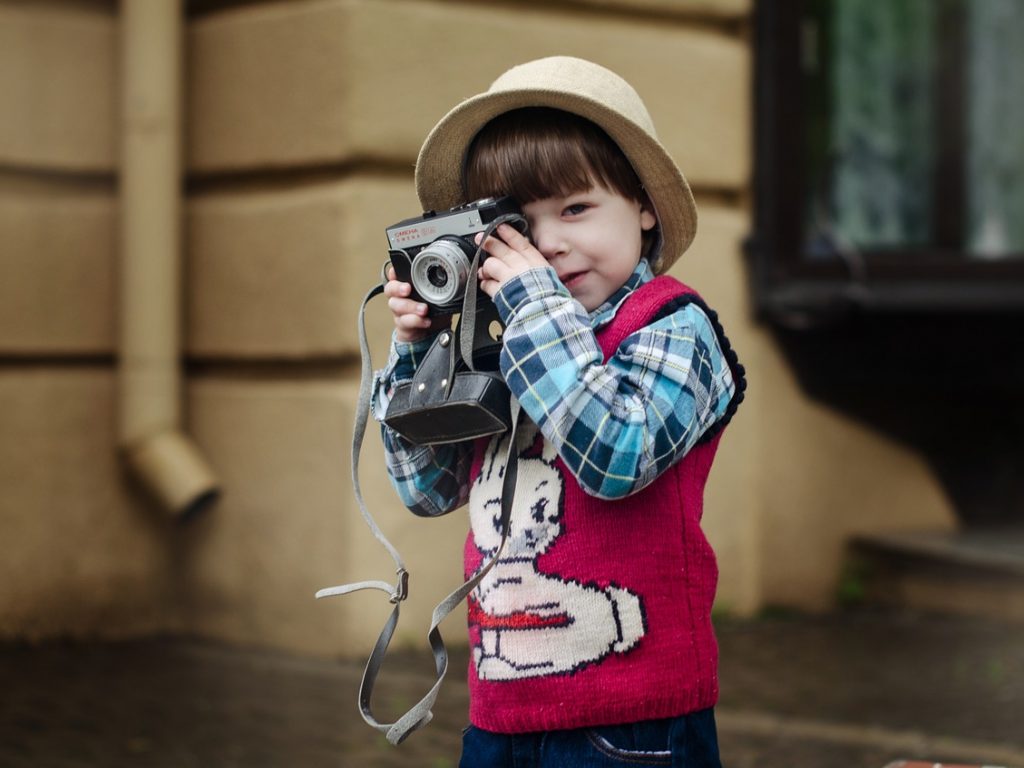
{"points": [[512, 255], [411, 320]]}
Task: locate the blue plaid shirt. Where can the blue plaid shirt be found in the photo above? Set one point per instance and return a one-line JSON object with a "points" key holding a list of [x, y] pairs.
{"points": [[616, 425]]}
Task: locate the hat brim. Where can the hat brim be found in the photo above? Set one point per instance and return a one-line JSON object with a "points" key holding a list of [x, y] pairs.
{"points": [[440, 164]]}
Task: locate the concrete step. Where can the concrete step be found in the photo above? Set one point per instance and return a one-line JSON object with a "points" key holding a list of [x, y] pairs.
{"points": [[971, 572]]}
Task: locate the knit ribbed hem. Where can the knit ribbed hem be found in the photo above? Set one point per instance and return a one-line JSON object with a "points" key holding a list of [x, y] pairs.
{"points": [[631, 707]]}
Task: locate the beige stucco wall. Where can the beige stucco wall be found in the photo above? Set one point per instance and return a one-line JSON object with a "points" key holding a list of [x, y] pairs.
{"points": [[304, 119]]}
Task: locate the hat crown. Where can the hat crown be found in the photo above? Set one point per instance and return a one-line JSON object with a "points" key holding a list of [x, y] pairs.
{"points": [[581, 79]]}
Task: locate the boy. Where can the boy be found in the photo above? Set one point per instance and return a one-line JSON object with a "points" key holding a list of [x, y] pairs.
{"points": [[591, 636]]}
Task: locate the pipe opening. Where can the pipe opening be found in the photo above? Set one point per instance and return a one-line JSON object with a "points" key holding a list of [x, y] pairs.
{"points": [[177, 475], [198, 505]]}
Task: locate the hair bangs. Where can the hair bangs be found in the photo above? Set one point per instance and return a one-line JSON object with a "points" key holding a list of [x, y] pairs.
{"points": [[535, 153]]}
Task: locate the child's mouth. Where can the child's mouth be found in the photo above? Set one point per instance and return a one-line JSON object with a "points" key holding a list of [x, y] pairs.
{"points": [[572, 278]]}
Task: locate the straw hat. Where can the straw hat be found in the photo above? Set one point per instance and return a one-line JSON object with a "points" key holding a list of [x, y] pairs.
{"points": [[585, 89]]}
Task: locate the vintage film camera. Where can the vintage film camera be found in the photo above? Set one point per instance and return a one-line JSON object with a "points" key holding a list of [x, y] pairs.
{"points": [[433, 252], [448, 401]]}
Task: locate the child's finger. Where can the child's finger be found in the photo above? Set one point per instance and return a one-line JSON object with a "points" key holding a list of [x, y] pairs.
{"points": [[514, 237], [395, 289], [495, 268], [504, 254], [493, 245], [490, 287], [400, 306], [521, 244], [412, 322]]}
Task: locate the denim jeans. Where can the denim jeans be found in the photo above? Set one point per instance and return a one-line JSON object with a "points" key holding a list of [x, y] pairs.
{"points": [[688, 741]]}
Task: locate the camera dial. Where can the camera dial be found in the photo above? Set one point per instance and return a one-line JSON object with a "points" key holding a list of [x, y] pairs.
{"points": [[481, 203], [440, 272]]}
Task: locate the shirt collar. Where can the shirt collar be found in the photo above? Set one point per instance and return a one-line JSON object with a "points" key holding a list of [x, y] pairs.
{"points": [[606, 312]]}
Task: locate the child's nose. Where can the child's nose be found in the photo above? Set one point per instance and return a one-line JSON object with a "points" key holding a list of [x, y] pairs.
{"points": [[548, 241]]}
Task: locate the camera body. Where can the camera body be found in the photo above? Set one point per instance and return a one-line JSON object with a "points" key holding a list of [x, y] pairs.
{"points": [[447, 399], [433, 252]]}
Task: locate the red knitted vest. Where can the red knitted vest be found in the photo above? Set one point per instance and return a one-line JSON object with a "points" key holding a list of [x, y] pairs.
{"points": [[598, 612]]}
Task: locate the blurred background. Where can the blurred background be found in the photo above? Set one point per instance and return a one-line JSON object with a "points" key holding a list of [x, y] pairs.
{"points": [[192, 204]]}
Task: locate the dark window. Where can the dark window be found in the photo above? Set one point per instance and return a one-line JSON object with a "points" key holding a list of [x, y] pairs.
{"points": [[889, 156]]}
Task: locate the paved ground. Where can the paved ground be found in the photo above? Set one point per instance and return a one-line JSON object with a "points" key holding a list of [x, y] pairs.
{"points": [[854, 690]]}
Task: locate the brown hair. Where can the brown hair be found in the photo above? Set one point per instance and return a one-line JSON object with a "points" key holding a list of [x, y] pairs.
{"points": [[538, 152]]}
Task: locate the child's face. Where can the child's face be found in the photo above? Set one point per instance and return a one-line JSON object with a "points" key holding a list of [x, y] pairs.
{"points": [[592, 240]]}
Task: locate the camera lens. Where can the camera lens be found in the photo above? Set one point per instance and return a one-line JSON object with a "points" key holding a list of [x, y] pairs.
{"points": [[437, 276], [440, 272]]}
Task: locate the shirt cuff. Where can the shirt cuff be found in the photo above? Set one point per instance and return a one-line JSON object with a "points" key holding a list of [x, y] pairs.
{"points": [[532, 285], [403, 359]]}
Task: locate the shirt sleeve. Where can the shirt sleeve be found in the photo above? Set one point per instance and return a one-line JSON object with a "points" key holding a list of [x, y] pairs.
{"points": [[620, 424], [430, 480]]}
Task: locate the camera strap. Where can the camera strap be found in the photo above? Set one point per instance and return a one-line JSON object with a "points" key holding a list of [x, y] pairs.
{"points": [[467, 320], [420, 714]]}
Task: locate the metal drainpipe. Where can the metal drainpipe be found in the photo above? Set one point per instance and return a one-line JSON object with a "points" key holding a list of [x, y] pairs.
{"points": [[156, 451]]}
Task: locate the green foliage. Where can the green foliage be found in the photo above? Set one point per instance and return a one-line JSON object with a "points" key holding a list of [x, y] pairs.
{"points": [[852, 590]]}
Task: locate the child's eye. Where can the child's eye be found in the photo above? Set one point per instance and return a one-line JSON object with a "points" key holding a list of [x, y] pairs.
{"points": [[576, 209]]}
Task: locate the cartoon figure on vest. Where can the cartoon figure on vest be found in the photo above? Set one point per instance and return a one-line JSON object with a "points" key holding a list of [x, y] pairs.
{"points": [[591, 634], [529, 622]]}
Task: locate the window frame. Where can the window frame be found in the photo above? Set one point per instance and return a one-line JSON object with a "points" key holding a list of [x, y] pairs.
{"points": [[789, 287]]}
